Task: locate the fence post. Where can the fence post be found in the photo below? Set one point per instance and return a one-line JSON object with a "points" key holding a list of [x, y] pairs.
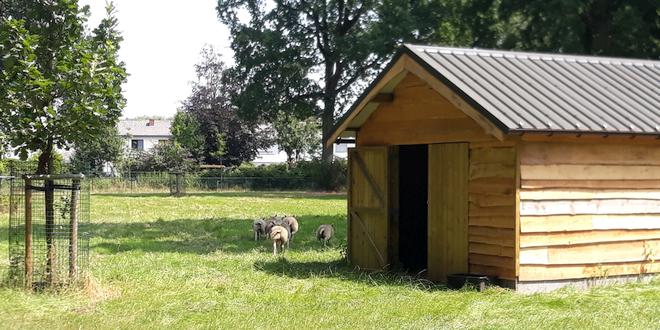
{"points": [[73, 230], [28, 233]]}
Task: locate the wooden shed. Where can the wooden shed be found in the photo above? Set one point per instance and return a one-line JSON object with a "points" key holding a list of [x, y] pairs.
{"points": [[540, 169]]}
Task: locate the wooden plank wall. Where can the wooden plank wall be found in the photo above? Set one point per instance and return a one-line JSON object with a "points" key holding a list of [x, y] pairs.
{"points": [[447, 210], [418, 115], [588, 210], [492, 209]]}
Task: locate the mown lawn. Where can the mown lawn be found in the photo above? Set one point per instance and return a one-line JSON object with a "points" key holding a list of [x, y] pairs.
{"points": [[190, 262]]}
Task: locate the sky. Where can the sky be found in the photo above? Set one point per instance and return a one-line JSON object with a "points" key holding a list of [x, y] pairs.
{"points": [[162, 41]]}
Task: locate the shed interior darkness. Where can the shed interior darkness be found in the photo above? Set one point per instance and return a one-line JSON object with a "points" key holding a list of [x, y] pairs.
{"points": [[413, 208]]}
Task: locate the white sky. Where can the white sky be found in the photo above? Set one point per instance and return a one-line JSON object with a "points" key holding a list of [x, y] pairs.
{"points": [[162, 41]]}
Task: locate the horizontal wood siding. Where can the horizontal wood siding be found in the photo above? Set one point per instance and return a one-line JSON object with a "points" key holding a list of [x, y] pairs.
{"points": [[588, 210], [492, 210]]}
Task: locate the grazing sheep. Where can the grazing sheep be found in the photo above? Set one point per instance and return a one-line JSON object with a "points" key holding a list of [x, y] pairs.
{"points": [[325, 233], [259, 228], [293, 224], [280, 237]]}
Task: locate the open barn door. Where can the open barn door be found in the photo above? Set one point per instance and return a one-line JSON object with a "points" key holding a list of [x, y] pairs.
{"points": [[447, 210], [368, 206]]}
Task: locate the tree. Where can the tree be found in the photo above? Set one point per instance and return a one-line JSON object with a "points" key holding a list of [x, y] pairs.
{"points": [[228, 139], [187, 133], [59, 84], [92, 155], [282, 51], [165, 156], [595, 27], [296, 137]]}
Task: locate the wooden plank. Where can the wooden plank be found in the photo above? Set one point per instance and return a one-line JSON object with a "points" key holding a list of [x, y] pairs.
{"points": [[590, 184], [516, 256], [492, 249], [506, 240], [448, 210], [506, 156], [560, 272], [493, 186], [539, 153], [592, 139], [596, 253], [498, 170], [494, 211], [494, 222], [423, 131], [576, 194], [589, 172], [494, 261], [598, 206], [484, 200], [586, 237], [502, 273], [567, 223], [29, 271]]}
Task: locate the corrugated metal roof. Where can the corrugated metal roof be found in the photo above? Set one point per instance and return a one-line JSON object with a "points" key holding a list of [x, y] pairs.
{"points": [[549, 92], [141, 127]]}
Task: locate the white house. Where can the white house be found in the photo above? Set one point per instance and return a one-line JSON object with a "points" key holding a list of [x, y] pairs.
{"points": [[144, 134], [273, 154]]}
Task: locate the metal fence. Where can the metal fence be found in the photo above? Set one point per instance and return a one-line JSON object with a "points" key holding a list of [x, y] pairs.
{"points": [[163, 183]]}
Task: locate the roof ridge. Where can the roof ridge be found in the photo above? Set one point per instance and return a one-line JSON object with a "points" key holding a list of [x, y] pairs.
{"points": [[533, 55]]}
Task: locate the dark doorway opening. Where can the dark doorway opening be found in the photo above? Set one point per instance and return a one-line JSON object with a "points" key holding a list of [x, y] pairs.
{"points": [[413, 208]]}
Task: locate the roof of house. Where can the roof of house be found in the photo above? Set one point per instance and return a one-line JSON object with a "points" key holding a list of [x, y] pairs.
{"points": [[141, 127], [534, 92]]}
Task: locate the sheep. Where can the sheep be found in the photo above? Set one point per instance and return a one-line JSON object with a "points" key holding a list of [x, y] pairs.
{"points": [[325, 233], [280, 237], [259, 229], [293, 224]]}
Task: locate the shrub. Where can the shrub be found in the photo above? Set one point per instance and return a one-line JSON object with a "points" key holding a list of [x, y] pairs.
{"points": [[323, 176]]}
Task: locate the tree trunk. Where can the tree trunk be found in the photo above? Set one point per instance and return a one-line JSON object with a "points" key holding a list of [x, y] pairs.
{"points": [[46, 167]]}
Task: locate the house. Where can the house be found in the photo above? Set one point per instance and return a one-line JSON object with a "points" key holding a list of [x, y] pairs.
{"points": [[144, 134], [273, 155], [540, 169]]}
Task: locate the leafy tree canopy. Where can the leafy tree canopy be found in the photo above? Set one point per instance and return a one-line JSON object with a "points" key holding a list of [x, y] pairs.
{"points": [[186, 132], [297, 137], [92, 155], [60, 84], [305, 56], [596, 27], [228, 139]]}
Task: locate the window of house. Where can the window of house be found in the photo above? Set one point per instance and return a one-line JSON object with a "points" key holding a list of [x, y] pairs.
{"points": [[137, 145]]}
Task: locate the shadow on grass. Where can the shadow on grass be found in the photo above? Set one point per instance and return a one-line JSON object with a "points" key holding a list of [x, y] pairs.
{"points": [[340, 269], [201, 236], [259, 194]]}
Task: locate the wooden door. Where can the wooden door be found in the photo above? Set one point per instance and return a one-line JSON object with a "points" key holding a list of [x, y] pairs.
{"points": [[448, 210], [368, 207]]}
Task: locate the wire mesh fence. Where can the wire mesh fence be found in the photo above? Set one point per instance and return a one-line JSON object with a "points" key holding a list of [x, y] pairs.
{"points": [[48, 230], [164, 182]]}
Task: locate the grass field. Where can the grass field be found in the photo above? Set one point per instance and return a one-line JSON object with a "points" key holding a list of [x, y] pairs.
{"points": [[190, 262]]}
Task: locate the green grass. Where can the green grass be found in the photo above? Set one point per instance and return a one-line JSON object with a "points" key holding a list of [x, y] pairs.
{"points": [[190, 262]]}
